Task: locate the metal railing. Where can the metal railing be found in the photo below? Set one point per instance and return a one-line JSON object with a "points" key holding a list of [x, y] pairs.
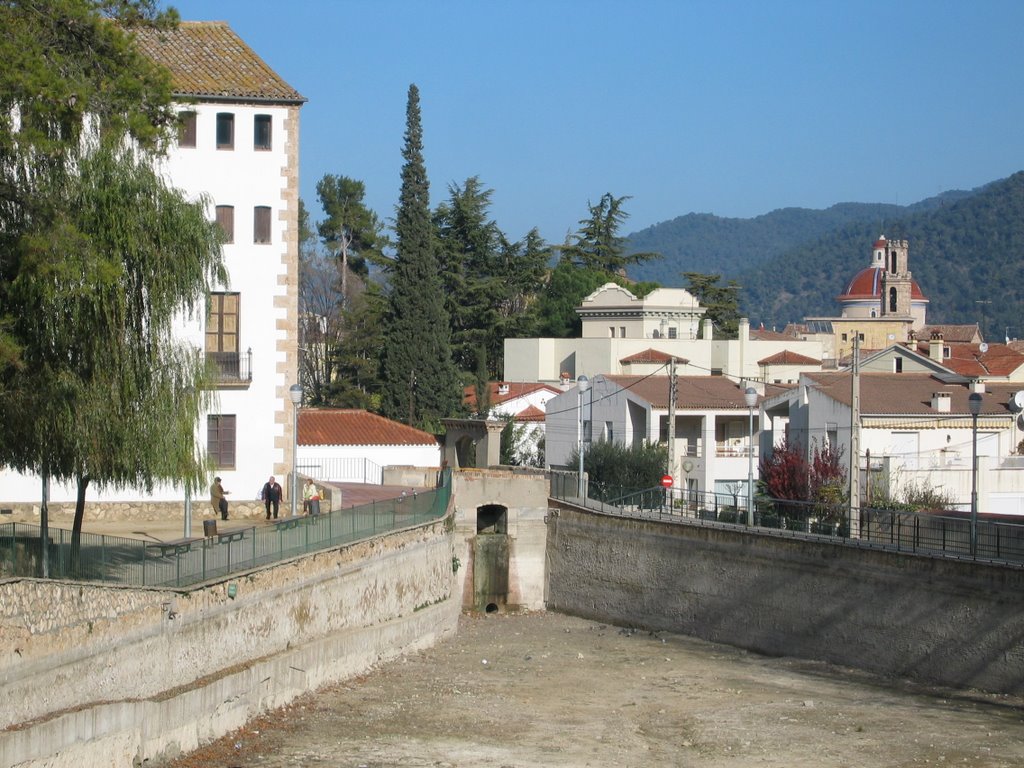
{"points": [[946, 533], [342, 470], [182, 562]]}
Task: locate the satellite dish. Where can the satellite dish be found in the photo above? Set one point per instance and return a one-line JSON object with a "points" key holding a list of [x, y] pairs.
{"points": [[983, 347], [1016, 404]]}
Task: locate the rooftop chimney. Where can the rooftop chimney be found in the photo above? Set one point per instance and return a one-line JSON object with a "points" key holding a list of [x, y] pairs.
{"points": [[941, 402], [935, 346]]}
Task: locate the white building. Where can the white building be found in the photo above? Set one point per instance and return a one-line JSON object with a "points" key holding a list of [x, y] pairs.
{"points": [[349, 445], [526, 404], [915, 430], [238, 144], [712, 451], [626, 335]]}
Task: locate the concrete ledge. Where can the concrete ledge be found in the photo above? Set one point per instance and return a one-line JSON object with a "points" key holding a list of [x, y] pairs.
{"points": [[161, 727]]}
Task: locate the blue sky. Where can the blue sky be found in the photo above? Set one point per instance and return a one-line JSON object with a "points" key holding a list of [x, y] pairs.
{"points": [[732, 108]]}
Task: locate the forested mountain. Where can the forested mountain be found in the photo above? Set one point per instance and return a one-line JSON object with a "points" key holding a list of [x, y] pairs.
{"points": [[966, 250], [703, 242]]}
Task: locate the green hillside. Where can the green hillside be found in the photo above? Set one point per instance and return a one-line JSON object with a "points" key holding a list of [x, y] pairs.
{"points": [[962, 253], [703, 242], [965, 248]]}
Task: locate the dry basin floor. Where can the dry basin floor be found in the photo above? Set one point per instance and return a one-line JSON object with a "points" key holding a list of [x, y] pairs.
{"points": [[544, 689]]}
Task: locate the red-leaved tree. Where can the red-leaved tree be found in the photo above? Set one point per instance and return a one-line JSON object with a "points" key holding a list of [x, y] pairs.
{"points": [[784, 472]]}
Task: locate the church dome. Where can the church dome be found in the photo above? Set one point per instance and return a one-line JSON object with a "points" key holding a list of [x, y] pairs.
{"points": [[867, 284]]}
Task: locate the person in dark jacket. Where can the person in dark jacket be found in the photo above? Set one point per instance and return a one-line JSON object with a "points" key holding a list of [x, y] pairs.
{"points": [[272, 495]]}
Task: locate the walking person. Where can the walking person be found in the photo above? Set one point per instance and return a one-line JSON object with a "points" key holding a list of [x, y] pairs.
{"points": [[218, 499], [272, 495]]}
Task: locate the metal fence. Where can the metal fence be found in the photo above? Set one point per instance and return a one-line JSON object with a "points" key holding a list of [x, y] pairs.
{"points": [[138, 562], [341, 470], [946, 533]]}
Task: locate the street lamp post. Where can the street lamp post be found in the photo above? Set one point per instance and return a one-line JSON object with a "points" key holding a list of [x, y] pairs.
{"points": [[295, 393], [582, 385], [750, 396], [974, 404]]}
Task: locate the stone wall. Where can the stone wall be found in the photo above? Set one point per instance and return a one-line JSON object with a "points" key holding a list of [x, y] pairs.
{"points": [[64, 513], [940, 621], [95, 671]]}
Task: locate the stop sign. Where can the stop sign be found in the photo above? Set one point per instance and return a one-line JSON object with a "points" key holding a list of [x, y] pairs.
{"points": [[666, 480]]}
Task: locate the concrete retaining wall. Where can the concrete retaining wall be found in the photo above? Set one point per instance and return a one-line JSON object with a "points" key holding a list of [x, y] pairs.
{"points": [[938, 621], [98, 675]]}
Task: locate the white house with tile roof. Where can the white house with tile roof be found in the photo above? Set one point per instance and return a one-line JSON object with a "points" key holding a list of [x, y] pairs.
{"points": [[354, 446], [239, 146], [915, 427], [524, 402], [712, 447]]}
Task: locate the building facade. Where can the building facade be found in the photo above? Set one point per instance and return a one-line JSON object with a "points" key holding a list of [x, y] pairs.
{"points": [[238, 149]]}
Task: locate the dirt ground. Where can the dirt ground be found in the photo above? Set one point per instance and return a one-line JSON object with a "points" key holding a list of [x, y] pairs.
{"points": [[550, 690]]}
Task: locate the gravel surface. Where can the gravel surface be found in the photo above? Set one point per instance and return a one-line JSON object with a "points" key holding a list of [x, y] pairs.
{"points": [[550, 690]]}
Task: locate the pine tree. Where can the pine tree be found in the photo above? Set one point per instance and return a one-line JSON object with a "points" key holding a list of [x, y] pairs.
{"points": [[420, 385]]}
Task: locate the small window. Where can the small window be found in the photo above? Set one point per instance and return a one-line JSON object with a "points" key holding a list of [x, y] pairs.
{"points": [[225, 130], [716, 371], [261, 138], [874, 313], [860, 337], [622, 332], [187, 129], [226, 220], [609, 433], [897, 365], [892, 300], [844, 337], [611, 332], [261, 224], [946, 351], [220, 440], [672, 333]]}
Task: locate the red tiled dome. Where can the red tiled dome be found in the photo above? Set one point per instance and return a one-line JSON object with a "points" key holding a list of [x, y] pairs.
{"points": [[867, 284]]}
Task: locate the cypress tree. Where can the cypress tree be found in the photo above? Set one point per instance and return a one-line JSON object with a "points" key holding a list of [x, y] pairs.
{"points": [[420, 385]]}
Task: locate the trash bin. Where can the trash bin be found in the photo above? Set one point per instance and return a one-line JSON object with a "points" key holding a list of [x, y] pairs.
{"points": [[209, 528], [314, 506]]}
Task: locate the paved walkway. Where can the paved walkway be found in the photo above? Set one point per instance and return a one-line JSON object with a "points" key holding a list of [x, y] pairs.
{"points": [[167, 529]]}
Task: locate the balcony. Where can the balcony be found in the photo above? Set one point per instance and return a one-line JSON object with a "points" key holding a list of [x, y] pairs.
{"points": [[230, 369]]}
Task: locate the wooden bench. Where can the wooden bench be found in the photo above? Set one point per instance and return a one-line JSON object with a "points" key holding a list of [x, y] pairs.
{"points": [[174, 546]]}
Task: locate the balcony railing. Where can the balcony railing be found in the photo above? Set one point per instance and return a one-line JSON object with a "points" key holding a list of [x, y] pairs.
{"points": [[231, 367]]}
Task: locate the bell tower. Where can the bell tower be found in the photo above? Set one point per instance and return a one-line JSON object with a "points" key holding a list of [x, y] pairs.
{"points": [[891, 255]]}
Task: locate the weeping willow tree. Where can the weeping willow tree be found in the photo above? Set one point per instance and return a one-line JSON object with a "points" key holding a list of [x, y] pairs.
{"points": [[105, 393]]}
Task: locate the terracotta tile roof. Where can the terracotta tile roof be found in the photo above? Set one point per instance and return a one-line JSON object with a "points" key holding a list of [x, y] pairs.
{"points": [[344, 426], [651, 356], [786, 357], [969, 360], [693, 392], [951, 334], [207, 60], [531, 413], [908, 393], [763, 334], [503, 391]]}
